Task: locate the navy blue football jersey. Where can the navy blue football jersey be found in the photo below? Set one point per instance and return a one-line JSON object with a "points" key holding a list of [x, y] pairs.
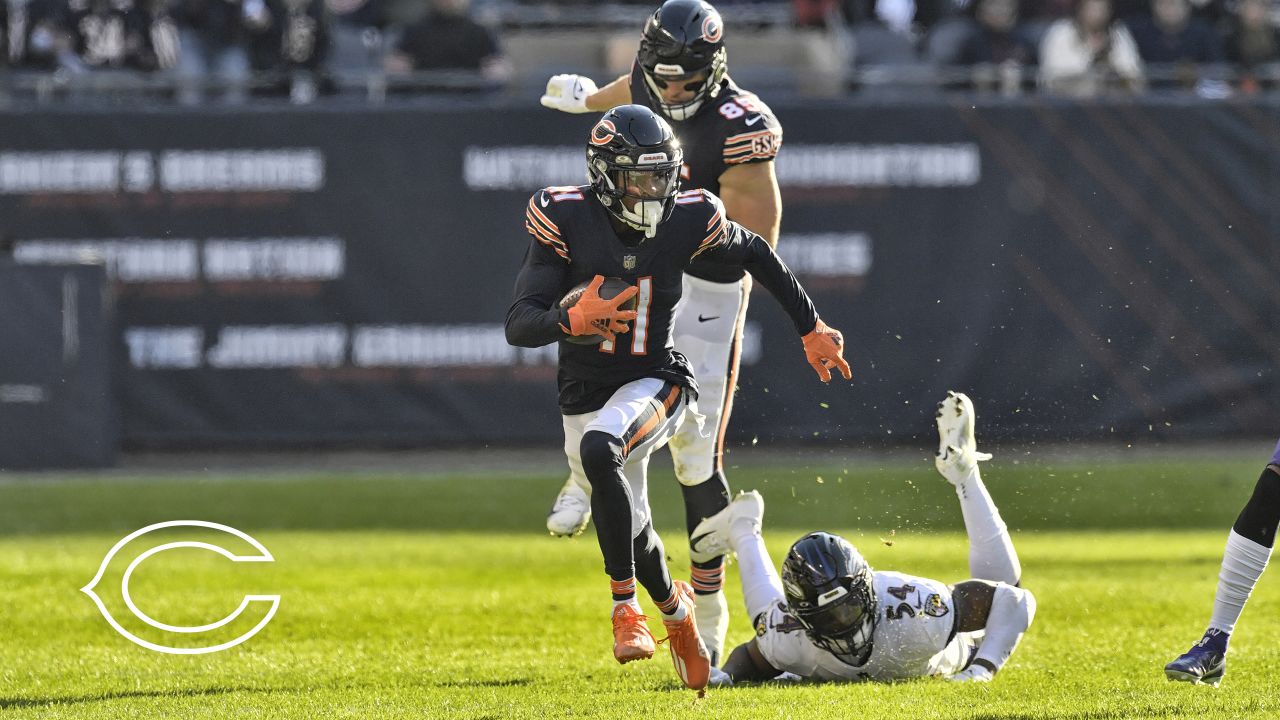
{"points": [[734, 128], [573, 238]]}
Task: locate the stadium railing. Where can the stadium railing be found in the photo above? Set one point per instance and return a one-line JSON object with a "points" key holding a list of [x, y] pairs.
{"points": [[377, 87]]}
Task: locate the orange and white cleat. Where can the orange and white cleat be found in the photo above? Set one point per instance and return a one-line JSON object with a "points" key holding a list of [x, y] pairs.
{"points": [[631, 637], [693, 663]]}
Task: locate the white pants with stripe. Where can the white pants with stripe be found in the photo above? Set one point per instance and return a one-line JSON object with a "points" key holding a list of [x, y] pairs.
{"points": [[639, 416], [708, 331]]}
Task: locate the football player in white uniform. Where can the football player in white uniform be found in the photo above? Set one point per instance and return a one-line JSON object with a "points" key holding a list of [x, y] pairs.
{"points": [[830, 617]]}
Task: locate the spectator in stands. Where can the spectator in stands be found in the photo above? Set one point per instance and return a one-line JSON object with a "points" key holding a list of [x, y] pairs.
{"points": [[446, 38], [895, 15], [813, 13], [997, 37], [357, 32], [290, 49], [1174, 41], [1089, 53], [996, 47], [883, 33], [932, 13], [215, 38], [1252, 41], [34, 36], [1044, 12], [119, 34]]}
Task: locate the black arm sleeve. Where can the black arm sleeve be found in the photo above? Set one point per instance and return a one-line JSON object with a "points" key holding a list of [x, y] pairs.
{"points": [[740, 246], [746, 662], [534, 320]]}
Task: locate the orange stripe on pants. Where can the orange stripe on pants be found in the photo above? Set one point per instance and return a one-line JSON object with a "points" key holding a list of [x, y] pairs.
{"points": [[655, 420]]}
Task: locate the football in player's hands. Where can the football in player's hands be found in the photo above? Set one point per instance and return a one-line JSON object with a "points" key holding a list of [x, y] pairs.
{"points": [[609, 289]]}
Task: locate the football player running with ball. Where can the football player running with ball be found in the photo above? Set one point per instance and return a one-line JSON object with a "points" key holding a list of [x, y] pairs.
{"points": [[730, 140], [831, 617], [623, 397]]}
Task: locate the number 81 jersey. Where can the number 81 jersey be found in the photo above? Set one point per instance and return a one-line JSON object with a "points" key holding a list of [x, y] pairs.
{"points": [[914, 636], [575, 240]]}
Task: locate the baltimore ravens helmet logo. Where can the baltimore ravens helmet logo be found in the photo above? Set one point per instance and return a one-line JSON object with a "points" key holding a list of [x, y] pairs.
{"points": [[603, 132], [711, 29], [934, 607]]}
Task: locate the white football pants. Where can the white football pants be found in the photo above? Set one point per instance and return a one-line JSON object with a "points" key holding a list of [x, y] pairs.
{"points": [[643, 419]]}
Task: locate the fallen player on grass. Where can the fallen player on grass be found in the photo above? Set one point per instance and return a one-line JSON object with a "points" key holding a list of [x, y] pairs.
{"points": [[831, 617]]}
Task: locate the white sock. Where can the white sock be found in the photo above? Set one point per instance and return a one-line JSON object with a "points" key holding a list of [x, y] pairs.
{"points": [[1012, 610], [629, 601], [991, 553], [761, 587], [1242, 565]]}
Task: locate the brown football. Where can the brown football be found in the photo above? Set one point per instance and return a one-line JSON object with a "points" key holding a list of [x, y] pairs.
{"points": [[608, 289]]}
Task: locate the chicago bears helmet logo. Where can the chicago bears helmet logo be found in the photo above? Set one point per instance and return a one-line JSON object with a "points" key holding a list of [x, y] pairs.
{"points": [[711, 29], [603, 132]]}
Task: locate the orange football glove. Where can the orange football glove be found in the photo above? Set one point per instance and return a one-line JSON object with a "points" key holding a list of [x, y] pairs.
{"points": [[593, 315], [824, 349]]}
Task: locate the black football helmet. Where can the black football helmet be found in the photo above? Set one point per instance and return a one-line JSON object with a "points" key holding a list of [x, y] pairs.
{"points": [[633, 165], [681, 41], [829, 590]]}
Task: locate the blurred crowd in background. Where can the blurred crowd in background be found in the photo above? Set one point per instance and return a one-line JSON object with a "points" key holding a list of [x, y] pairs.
{"points": [[194, 51]]}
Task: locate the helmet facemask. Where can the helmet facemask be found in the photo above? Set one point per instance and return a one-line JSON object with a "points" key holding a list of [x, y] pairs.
{"points": [[705, 83], [843, 620], [640, 194]]}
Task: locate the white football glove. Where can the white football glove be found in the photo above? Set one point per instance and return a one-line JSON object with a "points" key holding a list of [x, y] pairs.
{"points": [[973, 673], [568, 93]]}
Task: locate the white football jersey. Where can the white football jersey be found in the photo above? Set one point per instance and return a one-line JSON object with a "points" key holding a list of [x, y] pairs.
{"points": [[914, 636]]}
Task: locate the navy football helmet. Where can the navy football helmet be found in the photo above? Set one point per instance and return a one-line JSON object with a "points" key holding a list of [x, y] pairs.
{"points": [[633, 165], [683, 42]]}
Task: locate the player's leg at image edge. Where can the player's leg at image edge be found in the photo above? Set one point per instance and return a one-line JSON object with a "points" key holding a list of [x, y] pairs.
{"points": [[1248, 549]]}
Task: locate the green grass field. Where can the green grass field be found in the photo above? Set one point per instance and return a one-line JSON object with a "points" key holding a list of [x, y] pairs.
{"points": [[434, 595]]}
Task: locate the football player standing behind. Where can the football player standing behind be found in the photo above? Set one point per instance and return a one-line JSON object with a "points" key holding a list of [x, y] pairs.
{"points": [[730, 139], [622, 397]]}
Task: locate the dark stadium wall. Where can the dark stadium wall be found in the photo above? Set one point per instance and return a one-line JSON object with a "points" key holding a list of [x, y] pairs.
{"points": [[341, 276], [57, 406]]}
